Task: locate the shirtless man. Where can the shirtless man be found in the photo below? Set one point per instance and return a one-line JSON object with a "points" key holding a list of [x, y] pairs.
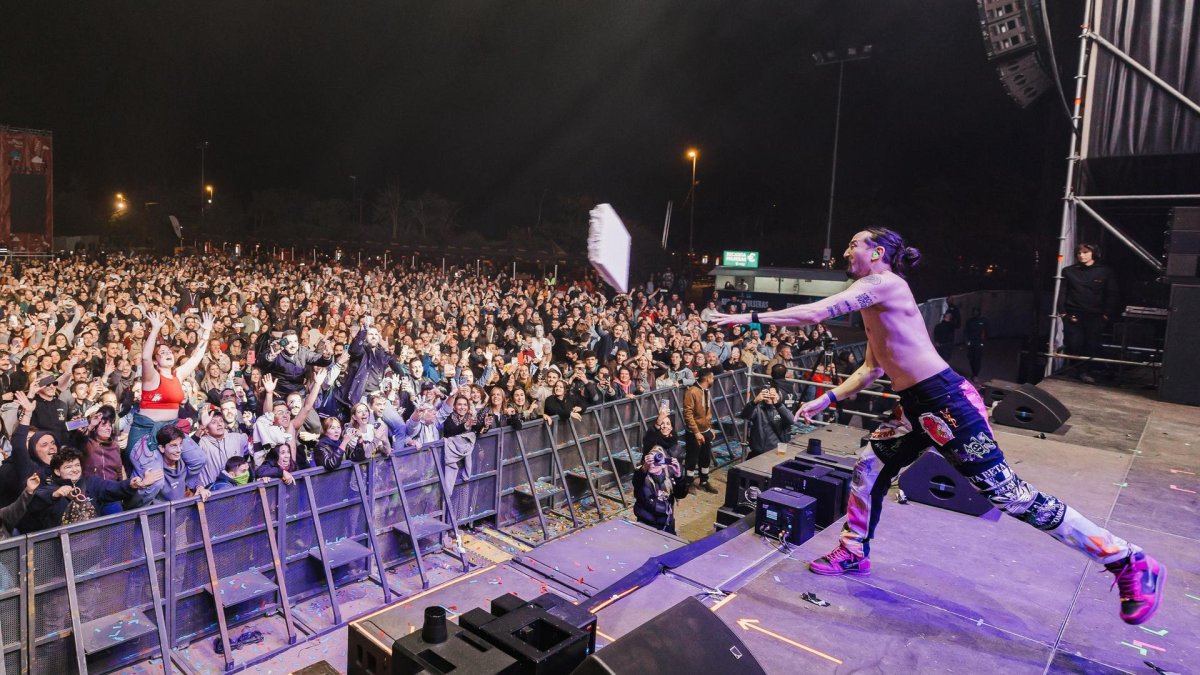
{"points": [[940, 409]]}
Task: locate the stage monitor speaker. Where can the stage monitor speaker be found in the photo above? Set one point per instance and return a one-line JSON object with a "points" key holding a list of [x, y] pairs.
{"points": [[994, 391], [932, 480], [744, 484], [1029, 407], [1181, 359], [687, 638]]}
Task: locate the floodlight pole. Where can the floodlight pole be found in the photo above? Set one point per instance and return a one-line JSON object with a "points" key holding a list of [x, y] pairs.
{"points": [[826, 59]]}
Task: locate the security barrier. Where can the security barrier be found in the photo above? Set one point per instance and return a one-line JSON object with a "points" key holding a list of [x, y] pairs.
{"points": [[165, 579]]}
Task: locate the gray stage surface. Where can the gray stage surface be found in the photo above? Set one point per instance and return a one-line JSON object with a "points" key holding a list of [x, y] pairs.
{"points": [[948, 593]]}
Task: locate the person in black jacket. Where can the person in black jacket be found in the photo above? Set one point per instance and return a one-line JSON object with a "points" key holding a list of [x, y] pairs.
{"points": [[654, 490], [661, 435], [67, 484], [563, 404], [334, 443], [769, 421], [1088, 298]]}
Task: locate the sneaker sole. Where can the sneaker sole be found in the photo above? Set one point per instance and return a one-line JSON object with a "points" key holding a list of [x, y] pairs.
{"points": [[840, 573], [1158, 594]]}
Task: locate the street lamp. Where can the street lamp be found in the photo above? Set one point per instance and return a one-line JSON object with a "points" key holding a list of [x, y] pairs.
{"points": [[692, 154], [209, 190], [121, 204], [828, 58]]}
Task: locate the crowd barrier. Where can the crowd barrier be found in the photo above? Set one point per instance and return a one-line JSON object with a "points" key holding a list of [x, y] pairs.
{"points": [[104, 594]]}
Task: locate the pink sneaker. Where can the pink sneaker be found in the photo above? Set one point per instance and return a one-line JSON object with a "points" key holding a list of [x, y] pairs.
{"points": [[1140, 578], [840, 561]]}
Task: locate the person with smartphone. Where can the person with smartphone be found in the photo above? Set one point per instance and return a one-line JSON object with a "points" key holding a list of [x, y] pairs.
{"points": [[655, 490]]}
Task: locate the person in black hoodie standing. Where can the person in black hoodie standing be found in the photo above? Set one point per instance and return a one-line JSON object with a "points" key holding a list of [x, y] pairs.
{"points": [[769, 421], [1088, 299]]}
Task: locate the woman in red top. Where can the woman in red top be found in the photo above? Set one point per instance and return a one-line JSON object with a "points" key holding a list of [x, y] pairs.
{"points": [[162, 388]]}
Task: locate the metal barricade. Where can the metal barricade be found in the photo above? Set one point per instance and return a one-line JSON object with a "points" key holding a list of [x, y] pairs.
{"points": [[14, 615], [101, 595]]}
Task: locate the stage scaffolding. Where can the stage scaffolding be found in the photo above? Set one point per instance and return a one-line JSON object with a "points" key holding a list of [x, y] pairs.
{"points": [[1091, 41]]}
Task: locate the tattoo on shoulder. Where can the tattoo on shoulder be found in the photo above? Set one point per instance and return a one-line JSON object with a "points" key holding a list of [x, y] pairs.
{"points": [[873, 279]]}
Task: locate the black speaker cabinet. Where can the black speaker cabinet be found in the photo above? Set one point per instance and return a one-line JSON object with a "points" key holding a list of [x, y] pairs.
{"points": [[1181, 359], [743, 485], [994, 391], [687, 638], [932, 480], [1028, 407]]}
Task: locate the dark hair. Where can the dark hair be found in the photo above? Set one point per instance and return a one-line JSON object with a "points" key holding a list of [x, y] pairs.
{"points": [[1094, 248], [896, 254], [167, 434], [778, 371], [236, 462], [63, 456], [107, 414], [703, 373]]}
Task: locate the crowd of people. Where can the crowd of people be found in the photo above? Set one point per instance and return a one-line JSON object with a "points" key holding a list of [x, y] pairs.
{"points": [[127, 379]]}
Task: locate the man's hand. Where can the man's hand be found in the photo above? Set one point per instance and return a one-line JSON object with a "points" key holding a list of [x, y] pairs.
{"points": [[268, 383], [813, 407], [156, 320], [722, 319], [32, 483], [206, 322], [203, 493]]}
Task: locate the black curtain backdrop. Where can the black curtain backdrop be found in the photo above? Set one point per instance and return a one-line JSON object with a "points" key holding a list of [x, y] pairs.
{"points": [[1131, 116]]}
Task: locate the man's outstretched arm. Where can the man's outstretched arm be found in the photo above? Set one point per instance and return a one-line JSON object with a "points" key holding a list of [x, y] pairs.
{"points": [[860, 295]]}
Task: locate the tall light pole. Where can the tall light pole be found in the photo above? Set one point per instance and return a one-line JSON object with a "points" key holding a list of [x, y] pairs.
{"points": [[828, 58], [202, 147], [692, 154]]}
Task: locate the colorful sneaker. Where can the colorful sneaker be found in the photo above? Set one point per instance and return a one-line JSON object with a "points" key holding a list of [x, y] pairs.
{"points": [[1140, 578], [840, 561]]}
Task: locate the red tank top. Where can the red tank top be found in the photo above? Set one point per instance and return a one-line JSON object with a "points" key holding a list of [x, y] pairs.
{"points": [[168, 396]]}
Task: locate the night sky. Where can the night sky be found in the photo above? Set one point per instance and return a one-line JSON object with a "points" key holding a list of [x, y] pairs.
{"points": [[494, 103]]}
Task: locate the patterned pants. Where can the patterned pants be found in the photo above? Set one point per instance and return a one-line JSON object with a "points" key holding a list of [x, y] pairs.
{"points": [[945, 412]]}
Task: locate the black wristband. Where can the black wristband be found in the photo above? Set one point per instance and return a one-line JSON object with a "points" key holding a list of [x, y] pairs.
{"points": [[754, 317]]}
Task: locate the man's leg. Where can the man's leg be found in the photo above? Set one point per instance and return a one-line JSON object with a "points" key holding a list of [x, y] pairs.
{"points": [[877, 465], [972, 448], [705, 460], [975, 359]]}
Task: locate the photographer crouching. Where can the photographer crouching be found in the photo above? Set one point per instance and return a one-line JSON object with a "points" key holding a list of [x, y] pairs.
{"points": [[655, 490]]}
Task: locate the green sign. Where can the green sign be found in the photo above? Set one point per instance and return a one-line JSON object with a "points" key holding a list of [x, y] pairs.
{"points": [[740, 259]]}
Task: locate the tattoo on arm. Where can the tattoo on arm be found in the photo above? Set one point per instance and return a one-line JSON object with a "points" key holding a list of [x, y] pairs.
{"points": [[864, 300], [873, 279]]}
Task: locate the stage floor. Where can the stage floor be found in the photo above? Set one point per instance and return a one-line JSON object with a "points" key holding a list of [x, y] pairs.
{"points": [[948, 593]]}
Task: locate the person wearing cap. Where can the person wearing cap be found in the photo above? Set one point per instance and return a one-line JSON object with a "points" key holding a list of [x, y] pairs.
{"points": [[51, 412]]}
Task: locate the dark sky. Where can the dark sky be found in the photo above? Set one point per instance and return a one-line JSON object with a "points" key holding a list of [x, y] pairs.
{"points": [[493, 102]]}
